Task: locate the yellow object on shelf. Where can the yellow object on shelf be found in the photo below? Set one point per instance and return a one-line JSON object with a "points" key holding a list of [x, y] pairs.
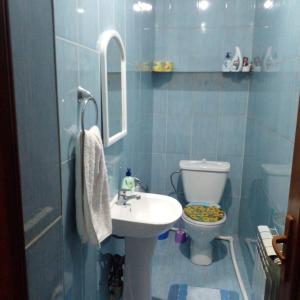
{"points": [[169, 66], [162, 66]]}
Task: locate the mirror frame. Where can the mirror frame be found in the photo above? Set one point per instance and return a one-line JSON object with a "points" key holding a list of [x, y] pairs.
{"points": [[105, 39]]}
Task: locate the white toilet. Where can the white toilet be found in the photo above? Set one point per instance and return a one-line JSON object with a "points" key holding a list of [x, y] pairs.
{"points": [[203, 184]]}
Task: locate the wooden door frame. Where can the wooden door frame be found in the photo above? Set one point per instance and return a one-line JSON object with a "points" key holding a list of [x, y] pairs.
{"points": [[13, 284], [290, 285]]}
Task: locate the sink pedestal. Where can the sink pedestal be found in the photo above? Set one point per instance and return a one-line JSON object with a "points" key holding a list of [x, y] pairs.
{"points": [[140, 224], [138, 268]]}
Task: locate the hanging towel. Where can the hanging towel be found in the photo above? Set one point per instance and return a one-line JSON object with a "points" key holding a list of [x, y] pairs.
{"points": [[92, 198], [80, 221], [185, 292]]}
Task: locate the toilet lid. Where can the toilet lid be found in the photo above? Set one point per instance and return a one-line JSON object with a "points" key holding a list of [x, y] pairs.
{"points": [[204, 213]]}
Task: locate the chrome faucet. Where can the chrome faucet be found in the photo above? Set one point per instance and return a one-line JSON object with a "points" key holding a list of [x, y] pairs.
{"points": [[140, 186], [123, 197]]}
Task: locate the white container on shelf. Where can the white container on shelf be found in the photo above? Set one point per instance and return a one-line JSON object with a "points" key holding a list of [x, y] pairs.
{"points": [[237, 61]]}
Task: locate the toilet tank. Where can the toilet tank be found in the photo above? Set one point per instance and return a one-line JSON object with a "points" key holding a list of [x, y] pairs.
{"points": [[204, 180]]}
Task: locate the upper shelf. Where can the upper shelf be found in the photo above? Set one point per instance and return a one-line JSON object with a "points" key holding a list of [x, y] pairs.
{"points": [[163, 67]]}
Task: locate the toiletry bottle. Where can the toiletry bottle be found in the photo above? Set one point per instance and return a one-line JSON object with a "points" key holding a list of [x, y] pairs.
{"points": [[257, 64], [246, 65], [237, 62], [128, 181], [227, 63], [268, 61]]}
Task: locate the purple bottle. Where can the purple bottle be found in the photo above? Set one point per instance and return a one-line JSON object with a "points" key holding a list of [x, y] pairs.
{"points": [[180, 236]]}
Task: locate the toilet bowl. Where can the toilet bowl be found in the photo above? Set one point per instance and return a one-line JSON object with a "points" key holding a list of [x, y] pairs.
{"points": [[203, 184], [201, 235]]}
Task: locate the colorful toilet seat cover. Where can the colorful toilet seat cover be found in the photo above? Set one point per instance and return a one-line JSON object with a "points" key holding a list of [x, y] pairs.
{"points": [[204, 213]]}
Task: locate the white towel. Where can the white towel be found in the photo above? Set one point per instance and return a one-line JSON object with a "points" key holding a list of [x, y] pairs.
{"points": [[92, 210]]}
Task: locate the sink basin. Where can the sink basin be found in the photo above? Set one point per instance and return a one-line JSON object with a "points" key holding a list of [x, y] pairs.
{"points": [[146, 217], [140, 222]]}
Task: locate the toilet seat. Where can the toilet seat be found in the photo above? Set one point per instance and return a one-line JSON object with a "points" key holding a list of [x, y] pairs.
{"points": [[201, 223]]}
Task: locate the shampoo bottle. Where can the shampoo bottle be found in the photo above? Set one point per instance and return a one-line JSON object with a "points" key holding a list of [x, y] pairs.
{"points": [[227, 63], [128, 181], [237, 62]]}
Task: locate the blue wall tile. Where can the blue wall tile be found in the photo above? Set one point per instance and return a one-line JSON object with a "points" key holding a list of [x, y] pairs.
{"points": [[73, 261], [67, 77], [239, 13], [88, 23], [133, 34], [45, 265], [89, 77], [179, 104], [188, 115], [160, 133], [36, 113], [205, 135], [66, 19], [172, 165], [78, 64], [120, 17], [91, 256], [158, 167], [106, 14], [232, 135], [235, 178], [160, 101], [232, 207], [182, 30], [234, 103], [206, 103], [178, 134], [206, 118], [273, 102]]}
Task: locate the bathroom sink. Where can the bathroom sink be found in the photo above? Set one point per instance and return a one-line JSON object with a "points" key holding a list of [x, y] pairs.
{"points": [[140, 221], [146, 217]]}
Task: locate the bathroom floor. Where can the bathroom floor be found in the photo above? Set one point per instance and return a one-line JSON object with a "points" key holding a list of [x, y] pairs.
{"points": [[171, 265]]}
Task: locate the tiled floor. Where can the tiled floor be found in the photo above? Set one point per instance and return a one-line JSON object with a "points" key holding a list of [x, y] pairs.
{"points": [[171, 265]]}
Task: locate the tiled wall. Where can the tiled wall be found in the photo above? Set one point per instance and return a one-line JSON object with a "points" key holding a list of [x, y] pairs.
{"points": [[198, 112], [78, 25], [31, 30], [186, 115], [196, 116], [271, 123], [197, 40]]}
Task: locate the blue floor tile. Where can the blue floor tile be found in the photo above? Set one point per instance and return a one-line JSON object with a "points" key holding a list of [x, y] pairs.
{"points": [[171, 265]]}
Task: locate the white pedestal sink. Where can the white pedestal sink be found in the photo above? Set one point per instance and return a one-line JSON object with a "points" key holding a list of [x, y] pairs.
{"points": [[140, 223]]}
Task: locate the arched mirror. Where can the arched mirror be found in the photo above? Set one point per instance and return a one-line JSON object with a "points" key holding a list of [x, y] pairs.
{"points": [[114, 92]]}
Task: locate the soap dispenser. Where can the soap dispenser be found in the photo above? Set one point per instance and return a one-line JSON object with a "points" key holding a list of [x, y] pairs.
{"points": [[128, 182], [237, 62]]}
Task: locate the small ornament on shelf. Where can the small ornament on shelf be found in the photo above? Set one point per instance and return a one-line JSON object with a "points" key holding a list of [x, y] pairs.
{"points": [[162, 66]]}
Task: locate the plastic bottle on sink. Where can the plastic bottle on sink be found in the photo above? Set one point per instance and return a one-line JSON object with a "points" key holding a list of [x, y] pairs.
{"points": [[128, 181]]}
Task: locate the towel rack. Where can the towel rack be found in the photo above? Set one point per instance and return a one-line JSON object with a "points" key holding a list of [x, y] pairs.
{"points": [[84, 96]]}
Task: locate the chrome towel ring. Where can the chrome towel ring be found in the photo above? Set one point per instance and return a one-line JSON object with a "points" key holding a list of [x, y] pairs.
{"points": [[84, 96]]}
